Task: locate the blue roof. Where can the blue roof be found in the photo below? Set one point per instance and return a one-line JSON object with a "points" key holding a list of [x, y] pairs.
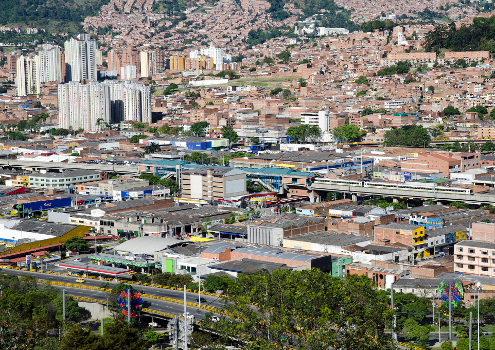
{"points": [[164, 162]]}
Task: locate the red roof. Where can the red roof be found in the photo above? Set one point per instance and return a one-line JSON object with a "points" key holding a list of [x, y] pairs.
{"points": [[30, 250]]}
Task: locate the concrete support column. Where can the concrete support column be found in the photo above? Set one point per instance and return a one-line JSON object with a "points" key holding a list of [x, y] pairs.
{"points": [[354, 197], [395, 200], [312, 197]]}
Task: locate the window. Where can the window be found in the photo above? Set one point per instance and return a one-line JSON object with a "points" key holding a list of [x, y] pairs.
{"points": [[484, 260], [459, 257], [459, 249], [484, 269], [460, 265], [470, 258], [484, 252], [471, 267], [471, 251]]}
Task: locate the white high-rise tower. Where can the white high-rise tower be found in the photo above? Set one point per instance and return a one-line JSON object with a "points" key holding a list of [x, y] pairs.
{"points": [[50, 64], [80, 58], [27, 76]]}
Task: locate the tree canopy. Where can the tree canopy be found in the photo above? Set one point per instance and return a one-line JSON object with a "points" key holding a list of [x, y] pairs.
{"points": [[307, 309], [199, 128], [450, 111], [229, 133], [76, 244], [304, 132], [476, 37], [407, 136], [348, 133]]}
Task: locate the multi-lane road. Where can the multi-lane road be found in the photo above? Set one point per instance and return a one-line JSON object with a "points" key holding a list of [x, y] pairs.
{"points": [[151, 303]]}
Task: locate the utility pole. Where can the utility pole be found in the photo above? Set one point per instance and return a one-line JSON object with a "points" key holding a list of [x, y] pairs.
{"points": [[439, 327], [394, 335], [63, 303], [185, 319], [470, 328], [128, 306], [102, 326], [450, 311]]}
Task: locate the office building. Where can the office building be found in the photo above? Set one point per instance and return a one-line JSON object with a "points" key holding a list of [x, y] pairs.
{"points": [[212, 183], [80, 58], [87, 105], [27, 76], [64, 180], [50, 66]]}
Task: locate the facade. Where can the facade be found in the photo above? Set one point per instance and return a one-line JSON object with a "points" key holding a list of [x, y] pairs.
{"points": [[407, 234], [67, 179], [80, 58], [50, 64], [86, 105], [27, 76], [320, 119], [213, 183], [475, 258], [128, 72]]}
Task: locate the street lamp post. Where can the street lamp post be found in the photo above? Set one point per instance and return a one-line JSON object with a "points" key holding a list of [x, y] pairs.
{"points": [[199, 278], [478, 288]]}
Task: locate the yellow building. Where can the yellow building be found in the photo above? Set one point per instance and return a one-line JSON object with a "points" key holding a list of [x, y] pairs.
{"points": [[20, 181]]}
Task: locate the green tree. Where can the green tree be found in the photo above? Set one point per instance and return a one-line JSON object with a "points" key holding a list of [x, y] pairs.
{"points": [[324, 311], [420, 334], [347, 133], [77, 244], [304, 132], [302, 82], [286, 94], [139, 126], [199, 128], [170, 184], [447, 346], [136, 138], [488, 146], [267, 60], [450, 111], [213, 283], [463, 344], [284, 56], [81, 338], [153, 179], [255, 140], [362, 80], [407, 136], [276, 91], [431, 88], [361, 93], [170, 89], [229, 133]]}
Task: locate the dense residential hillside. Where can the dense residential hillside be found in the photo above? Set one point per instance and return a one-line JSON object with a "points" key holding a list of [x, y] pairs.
{"points": [[478, 36], [328, 12], [49, 14]]}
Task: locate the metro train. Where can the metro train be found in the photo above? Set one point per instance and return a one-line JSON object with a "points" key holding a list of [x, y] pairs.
{"points": [[411, 186]]}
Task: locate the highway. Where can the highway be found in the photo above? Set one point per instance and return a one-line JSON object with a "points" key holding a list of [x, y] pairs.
{"points": [[475, 198], [155, 304]]}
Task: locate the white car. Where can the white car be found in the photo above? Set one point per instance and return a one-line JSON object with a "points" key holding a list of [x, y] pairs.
{"points": [[77, 259]]}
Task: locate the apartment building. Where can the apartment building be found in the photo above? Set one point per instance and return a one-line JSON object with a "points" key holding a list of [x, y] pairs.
{"points": [[82, 105], [407, 234], [213, 183], [28, 78], [50, 64], [80, 58], [475, 258], [64, 180]]}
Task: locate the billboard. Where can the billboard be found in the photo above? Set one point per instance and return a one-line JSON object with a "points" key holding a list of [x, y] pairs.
{"points": [[412, 156], [24, 106], [48, 204]]}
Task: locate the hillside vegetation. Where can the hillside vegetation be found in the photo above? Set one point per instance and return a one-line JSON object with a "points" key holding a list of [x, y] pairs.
{"points": [[334, 16], [54, 15], [480, 36]]}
